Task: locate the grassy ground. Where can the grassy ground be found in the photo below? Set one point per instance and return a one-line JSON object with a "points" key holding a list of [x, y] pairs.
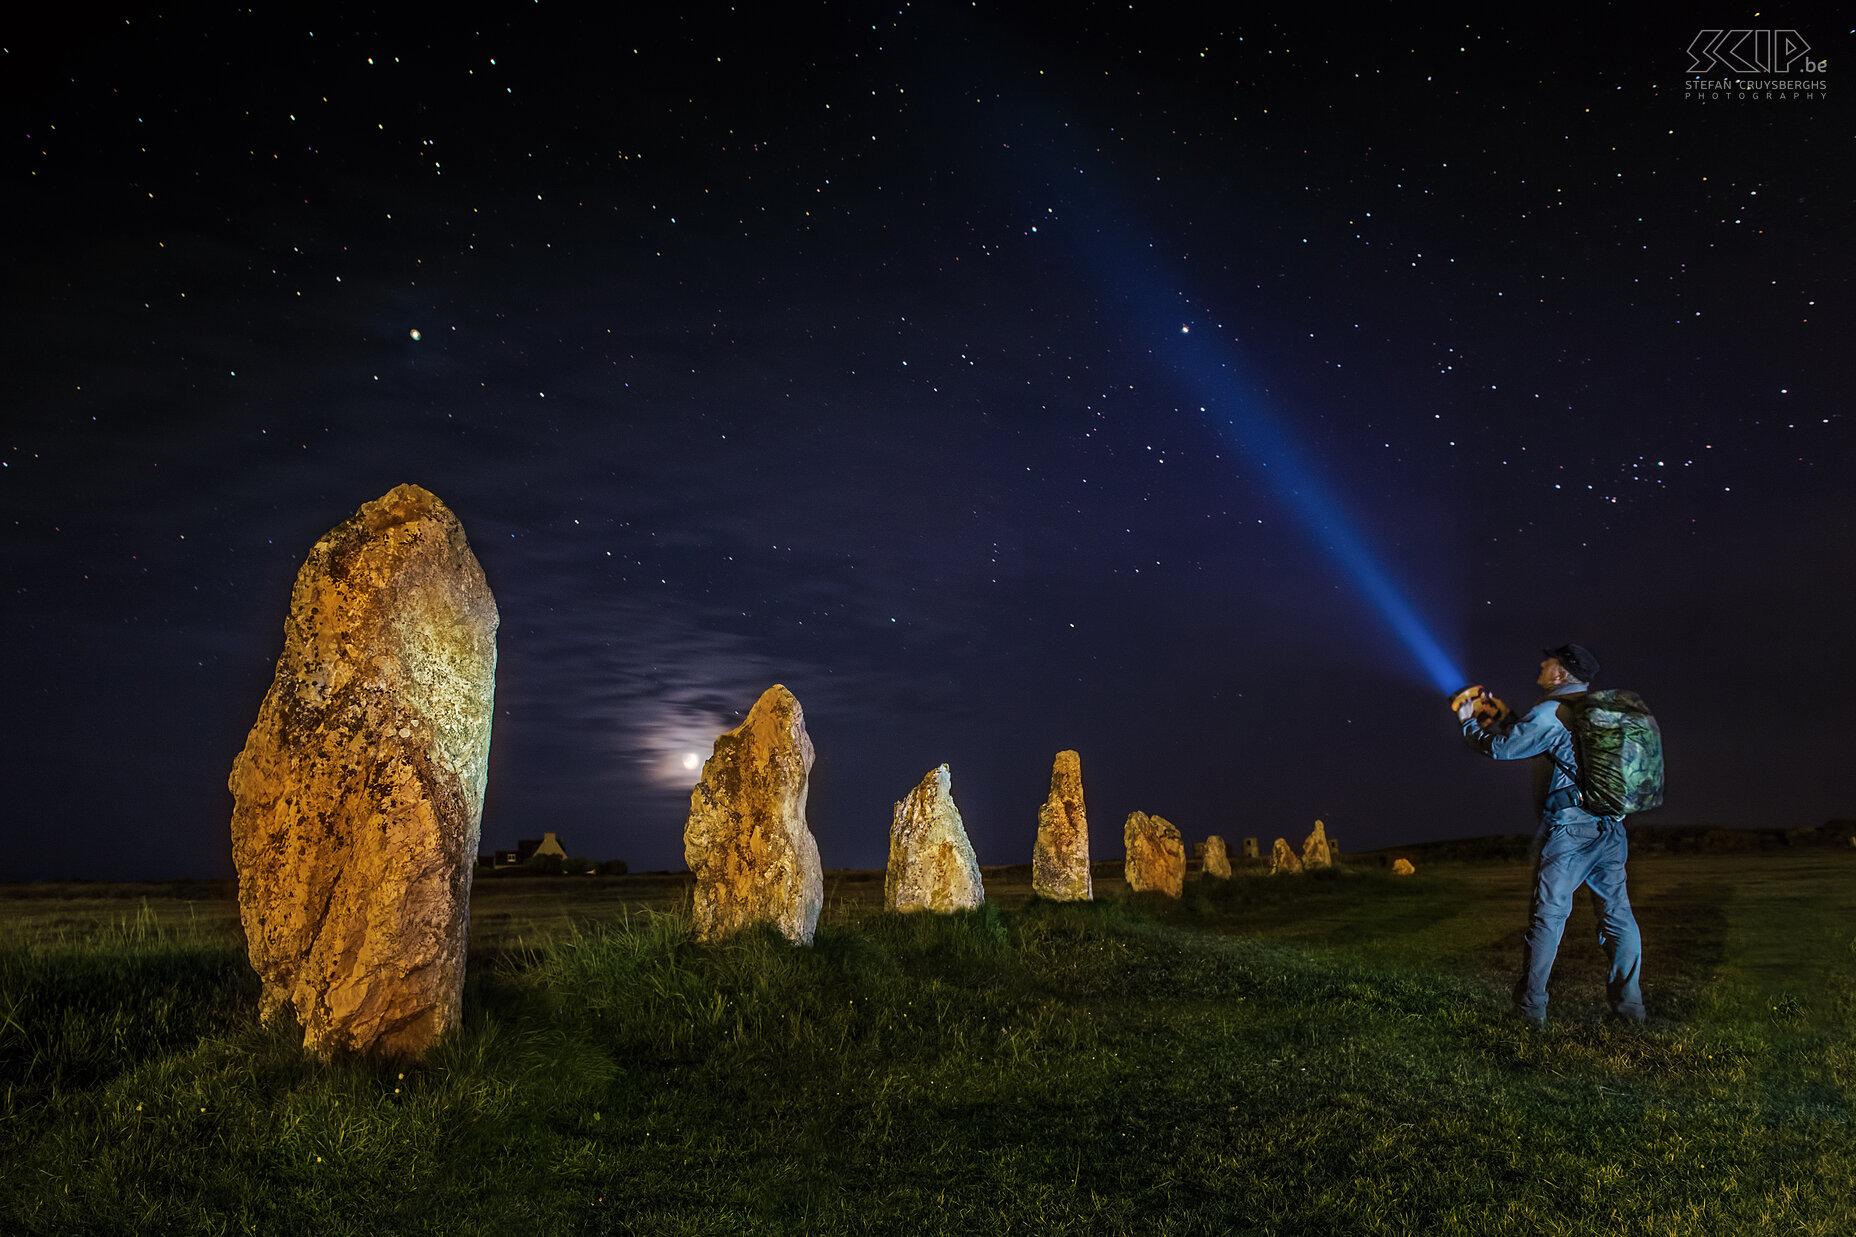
{"points": [[1313, 1055]]}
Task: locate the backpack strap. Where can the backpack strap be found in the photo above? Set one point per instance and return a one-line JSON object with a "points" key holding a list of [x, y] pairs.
{"points": [[1572, 775]]}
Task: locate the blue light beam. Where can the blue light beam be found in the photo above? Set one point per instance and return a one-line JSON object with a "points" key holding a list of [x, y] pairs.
{"points": [[1208, 366], [1254, 428]]}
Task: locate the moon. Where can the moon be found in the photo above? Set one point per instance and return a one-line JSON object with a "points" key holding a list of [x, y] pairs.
{"points": [[691, 761]]}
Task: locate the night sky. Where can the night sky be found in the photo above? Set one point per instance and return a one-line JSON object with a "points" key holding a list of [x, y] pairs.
{"points": [[1001, 381]]}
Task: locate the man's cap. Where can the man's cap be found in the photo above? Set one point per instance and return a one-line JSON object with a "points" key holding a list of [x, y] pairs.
{"points": [[1577, 659]]}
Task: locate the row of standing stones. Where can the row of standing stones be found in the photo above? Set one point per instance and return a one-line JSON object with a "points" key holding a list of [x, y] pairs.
{"points": [[358, 799]]}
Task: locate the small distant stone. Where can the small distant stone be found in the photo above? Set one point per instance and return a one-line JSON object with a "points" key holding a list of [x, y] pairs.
{"points": [[1060, 858], [1156, 860], [746, 839], [1217, 859], [931, 862], [1315, 850], [1283, 859], [1402, 867]]}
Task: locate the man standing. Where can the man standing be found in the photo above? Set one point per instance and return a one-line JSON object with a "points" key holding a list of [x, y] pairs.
{"points": [[1572, 847]]}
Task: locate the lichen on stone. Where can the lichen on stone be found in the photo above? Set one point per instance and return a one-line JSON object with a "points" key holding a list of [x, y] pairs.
{"points": [[358, 796], [931, 862], [746, 839], [1060, 856]]}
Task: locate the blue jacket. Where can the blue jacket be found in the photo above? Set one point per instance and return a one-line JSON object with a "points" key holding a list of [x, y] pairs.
{"points": [[1542, 734]]}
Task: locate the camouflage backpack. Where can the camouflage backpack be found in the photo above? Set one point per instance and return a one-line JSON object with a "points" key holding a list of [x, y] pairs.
{"points": [[1620, 750]]}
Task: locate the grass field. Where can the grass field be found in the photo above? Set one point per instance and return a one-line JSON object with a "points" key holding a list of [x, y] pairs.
{"points": [[1325, 1054]]}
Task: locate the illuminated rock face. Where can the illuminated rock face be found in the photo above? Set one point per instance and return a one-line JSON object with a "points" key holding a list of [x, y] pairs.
{"points": [[931, 863], [1402, 867], [1156, 860], [746, 839], [359, 794], [1217, 859], [1060, 859], [1283, 859], [1315, 850]]}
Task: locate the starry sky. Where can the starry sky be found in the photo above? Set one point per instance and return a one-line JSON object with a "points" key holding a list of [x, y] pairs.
{"points": [[1200, 394]]}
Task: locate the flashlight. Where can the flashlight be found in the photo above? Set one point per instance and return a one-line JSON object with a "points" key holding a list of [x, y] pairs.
{"points": [[1488, 711]]}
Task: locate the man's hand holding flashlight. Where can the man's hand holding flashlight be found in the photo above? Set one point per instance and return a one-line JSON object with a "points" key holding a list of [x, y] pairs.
{"points": [[1475, 701]]}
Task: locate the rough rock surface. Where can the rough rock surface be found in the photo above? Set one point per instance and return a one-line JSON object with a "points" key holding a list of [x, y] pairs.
{"points": [[1060, 859], [1217, 859], [931, 863], [746, 839], [1402, 867], [359, 794], [1283, 859], [1315, 850], [1156, 857]]}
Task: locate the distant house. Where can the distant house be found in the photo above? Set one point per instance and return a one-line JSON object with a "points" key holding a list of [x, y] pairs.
{"points": [[546, 844], [549, 844]]}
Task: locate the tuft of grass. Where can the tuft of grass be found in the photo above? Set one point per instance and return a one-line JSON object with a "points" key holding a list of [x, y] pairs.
{"points": [[75, 1013]]}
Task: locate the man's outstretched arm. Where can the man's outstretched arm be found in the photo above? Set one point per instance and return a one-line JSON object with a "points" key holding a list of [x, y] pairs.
{"points": [[1533, 735]]}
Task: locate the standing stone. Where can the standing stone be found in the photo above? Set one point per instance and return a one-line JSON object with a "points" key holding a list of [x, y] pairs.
{"points": [[1283, 859], [1315, 851], [931, 863], [358, 797], [1060, 860], [1156, 857], [1217, 860], [1402, 867], [746, 839]]}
